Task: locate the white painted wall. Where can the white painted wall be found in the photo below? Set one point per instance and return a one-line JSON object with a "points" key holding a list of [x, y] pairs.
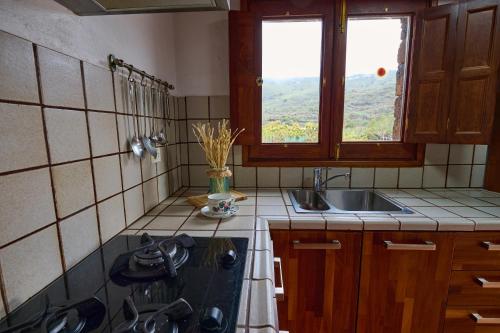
{"points": [[201, 51], [145, 40], [189, 50]]}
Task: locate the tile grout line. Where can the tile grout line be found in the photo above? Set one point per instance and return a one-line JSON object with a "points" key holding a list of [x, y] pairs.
{"points": [[70, 108], [447, 167], [49, 159], [3, 293], [38, 167], [118, 143], [186, 109], [250, 278], [85, 102], [158, 215]]}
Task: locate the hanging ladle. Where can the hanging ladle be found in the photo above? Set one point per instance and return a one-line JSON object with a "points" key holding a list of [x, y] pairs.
{"points": [[148, 144], [153, 136], [135, 142], [162, 137]]}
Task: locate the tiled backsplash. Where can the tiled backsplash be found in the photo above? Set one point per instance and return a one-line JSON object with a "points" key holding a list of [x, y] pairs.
{"points": [[68, 182], [445, 165]]}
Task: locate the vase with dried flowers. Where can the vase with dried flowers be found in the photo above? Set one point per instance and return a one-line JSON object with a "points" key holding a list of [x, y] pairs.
{"points": [[216, 143]]}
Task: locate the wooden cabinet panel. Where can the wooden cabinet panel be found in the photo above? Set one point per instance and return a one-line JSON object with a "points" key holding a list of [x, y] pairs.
{"points": [[474, 288], [320, 285], [243, 39], [475, 73], [454, 73], [472, 252], [432, 69], [461, 320], [404, 290], [491, 179]]}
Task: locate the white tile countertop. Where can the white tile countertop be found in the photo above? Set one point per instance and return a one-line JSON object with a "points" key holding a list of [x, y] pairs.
{"points": [[434, 210]]}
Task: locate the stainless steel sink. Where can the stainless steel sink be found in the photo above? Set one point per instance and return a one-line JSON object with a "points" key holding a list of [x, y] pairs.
{"points": [[344, 201], [308, 200]]}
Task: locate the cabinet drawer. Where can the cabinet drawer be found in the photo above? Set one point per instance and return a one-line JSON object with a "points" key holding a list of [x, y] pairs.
{"points": [[477, 251], [472, 320], [474, 288]]}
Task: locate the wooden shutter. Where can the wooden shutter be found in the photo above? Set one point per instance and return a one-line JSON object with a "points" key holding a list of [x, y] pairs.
{"points": [[243, 74], [477, 60], [431, 75]]}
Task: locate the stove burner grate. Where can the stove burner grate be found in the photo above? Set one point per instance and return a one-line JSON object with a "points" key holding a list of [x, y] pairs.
{"points": [[153, 317], [153, 260], [75, 317]]}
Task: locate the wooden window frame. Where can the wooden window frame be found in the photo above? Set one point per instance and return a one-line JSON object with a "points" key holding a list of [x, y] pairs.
{"points": [[330, 150], [297, 151]]}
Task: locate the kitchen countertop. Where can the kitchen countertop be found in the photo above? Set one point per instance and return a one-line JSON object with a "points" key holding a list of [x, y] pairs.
{"points": [[434, 210]]}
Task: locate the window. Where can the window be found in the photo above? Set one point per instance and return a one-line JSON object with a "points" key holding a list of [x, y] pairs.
{"points": [[323, 82], [375, 77], [291, 69]]}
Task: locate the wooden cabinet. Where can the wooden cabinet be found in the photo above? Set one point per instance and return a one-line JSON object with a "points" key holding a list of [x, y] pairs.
{"points": [[435, 36], [474, 293], [477, 251], [404, 282], [472, 320], [320, 277], [473, 92], [454, 74], [409, 282], [476, 288]]}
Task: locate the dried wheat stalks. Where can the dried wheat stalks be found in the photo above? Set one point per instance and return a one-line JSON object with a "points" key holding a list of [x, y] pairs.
{"points": [[216, 144]]}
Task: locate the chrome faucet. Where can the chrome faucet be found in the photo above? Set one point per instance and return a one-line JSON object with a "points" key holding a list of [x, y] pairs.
{"points": [[318, 173]]}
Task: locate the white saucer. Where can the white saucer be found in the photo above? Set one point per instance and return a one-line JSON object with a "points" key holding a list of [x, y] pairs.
{"points": [[206, 212]]}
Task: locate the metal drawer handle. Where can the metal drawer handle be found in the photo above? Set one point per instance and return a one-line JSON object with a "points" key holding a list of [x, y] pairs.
{"points": [[487, 284], [490, 246], [427, 246], [333, 245], [279, 292], [480, 320]]}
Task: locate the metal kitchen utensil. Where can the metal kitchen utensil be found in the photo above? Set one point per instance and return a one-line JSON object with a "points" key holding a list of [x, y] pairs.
{"points": [[164, 103], [146, 141], [135, 142], [155, 94]]}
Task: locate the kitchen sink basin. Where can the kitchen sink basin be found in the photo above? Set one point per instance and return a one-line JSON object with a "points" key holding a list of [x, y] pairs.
{"points": [[344, 202], [308, 200]]}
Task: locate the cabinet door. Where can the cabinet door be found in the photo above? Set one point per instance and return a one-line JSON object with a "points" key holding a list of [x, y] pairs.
{"points": [[475, 75], [404, 282], [432, 70], [321, 276], [243, 38]]}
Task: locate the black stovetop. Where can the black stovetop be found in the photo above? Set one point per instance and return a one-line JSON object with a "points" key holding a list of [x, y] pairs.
{"points": [[203, 281]]}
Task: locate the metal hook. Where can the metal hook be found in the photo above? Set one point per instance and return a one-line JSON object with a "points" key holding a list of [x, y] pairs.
{"points": [[153, 80], [143, 76], [130, 71]]}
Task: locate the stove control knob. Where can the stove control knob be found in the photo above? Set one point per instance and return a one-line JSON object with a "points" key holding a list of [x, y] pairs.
{"points": [[229, 258], [211, 320]]}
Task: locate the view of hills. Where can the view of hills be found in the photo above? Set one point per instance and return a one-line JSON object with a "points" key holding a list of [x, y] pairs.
{"points": [[290, 108]]}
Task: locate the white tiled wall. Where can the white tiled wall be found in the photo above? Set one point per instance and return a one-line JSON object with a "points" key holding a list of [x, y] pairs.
{"points": [[68, 181], [445, 165]]}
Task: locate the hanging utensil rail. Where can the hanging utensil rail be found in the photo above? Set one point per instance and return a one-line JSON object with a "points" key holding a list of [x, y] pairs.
{"points": [[114, 63]]}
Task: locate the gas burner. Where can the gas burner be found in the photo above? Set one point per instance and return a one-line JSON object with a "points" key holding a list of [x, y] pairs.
{"points": [[153, 318], [75, 317], [154, 255], [153, 260]]}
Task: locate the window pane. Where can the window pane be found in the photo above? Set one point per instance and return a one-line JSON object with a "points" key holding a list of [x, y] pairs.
{"points": [[291, 67], [375, 78]]}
